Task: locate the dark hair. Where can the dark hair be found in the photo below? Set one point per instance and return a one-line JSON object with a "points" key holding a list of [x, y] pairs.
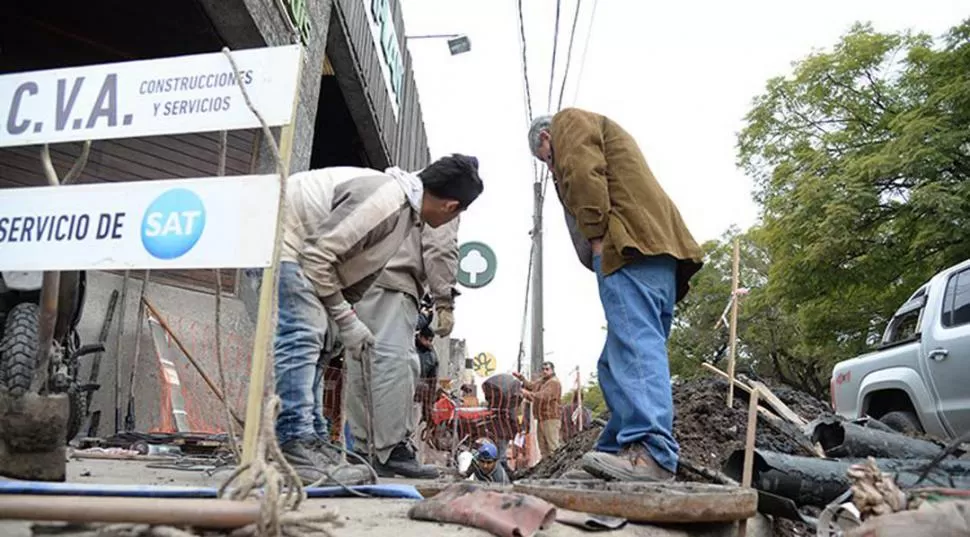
{"points": [[551, 366], [454, 177]]}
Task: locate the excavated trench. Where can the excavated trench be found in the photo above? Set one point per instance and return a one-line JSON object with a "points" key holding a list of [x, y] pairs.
{"points": [[707, 431]]}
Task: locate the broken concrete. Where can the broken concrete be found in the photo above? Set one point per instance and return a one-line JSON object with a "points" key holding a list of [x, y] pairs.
{"points": [[32, 433]]}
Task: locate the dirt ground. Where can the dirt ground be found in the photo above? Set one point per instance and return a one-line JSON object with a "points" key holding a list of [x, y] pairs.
{"points": [[707, 431], [705, 428]]}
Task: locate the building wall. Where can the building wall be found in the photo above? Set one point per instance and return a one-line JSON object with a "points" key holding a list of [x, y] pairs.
{"points": [[388, 140]]}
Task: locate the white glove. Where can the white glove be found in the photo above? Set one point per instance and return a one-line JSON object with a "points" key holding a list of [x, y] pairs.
{"points": [[354, 334]]}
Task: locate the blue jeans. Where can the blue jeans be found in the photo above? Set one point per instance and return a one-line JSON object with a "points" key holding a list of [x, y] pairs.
{"points": [[633, 370], [297, 346]]}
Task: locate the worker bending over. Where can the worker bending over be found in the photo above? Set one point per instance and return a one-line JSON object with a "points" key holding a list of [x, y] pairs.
{"points": [[428, 258], [341, 226], [627, 230]]}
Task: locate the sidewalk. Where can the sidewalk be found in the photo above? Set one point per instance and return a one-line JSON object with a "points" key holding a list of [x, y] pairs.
{"points": [[361, 517]]}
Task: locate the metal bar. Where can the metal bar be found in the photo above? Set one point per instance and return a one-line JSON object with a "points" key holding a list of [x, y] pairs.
{"points": [[130, 414], [118, 356]]}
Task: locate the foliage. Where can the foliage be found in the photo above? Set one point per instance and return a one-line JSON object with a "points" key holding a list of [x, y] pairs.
{"points": [[592, 397], [861, 161], [768, 341]]}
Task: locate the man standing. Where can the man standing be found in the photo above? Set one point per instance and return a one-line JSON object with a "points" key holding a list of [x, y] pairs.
{"points": [[340, 228], [644, 257], [390, 310], [544, 395]]}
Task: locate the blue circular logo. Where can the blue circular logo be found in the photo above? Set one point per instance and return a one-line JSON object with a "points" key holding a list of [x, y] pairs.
{"points": [[173, 223]]}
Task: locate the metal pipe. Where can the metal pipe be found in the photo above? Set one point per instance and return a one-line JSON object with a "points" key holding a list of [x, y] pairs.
{"points": [[818, 482], [200, 513], [841, 439], [130, 413], [118, 355]]}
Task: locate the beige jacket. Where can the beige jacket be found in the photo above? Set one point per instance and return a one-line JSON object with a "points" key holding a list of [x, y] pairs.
{"points": [[428, 259], [343, 225]]}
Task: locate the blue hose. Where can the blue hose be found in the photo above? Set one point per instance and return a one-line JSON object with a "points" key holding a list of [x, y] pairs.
{"points": [[169, 491]]}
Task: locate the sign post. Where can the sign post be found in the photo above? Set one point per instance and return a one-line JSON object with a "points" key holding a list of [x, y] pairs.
{"points": [[189, 223]]}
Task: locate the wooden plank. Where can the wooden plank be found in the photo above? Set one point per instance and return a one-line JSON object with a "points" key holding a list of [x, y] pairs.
{"points": [[777, 405]]}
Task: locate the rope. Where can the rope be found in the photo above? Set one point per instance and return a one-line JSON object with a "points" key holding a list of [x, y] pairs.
{"points": [[230, 425], [874, 492], [268, 478]]}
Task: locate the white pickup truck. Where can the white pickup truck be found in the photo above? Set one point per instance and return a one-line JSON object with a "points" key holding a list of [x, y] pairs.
{"points": [[918, 380]]}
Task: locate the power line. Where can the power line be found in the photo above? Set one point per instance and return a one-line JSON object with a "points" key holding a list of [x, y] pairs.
{"points": [[569, 53], [555, 47], [525, 63], [582, 60]]}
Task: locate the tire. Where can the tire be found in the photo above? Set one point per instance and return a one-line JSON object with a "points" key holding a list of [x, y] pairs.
{"points": [[18, 347], [78, 400], [903, 421]]}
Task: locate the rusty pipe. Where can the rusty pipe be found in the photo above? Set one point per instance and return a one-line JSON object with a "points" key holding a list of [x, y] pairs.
{"points": [[50, 290], [199, 513]]}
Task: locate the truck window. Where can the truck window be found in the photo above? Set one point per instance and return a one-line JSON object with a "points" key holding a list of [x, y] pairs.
{"points": [[904, 327], [956, 300]]}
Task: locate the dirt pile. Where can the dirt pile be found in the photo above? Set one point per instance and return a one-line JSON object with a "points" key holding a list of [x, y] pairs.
{"points": [[706, 429]]}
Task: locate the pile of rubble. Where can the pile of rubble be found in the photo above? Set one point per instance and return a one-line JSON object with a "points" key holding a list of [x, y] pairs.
{"points": [[706, 429]]}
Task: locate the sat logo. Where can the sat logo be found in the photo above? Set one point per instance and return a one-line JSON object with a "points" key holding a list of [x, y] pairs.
{"points": [[173, 223]]}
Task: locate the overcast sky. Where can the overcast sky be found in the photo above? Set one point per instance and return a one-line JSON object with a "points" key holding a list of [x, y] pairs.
{"points": [[679, 76]]}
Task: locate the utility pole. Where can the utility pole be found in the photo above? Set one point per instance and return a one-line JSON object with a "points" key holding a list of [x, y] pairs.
{"points": [[537, 330]]}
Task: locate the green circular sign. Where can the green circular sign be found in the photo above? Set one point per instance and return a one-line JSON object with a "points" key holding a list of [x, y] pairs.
{"points": [[476, 264]]}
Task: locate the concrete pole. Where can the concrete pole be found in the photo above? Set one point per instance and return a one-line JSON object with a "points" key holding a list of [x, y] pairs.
{"points": [[537, 330]]}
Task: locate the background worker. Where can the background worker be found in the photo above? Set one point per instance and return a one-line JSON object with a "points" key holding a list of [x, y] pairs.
{"points": [[485, 466], [643, 256], [340, 228], [428, 258], [544, 395]]}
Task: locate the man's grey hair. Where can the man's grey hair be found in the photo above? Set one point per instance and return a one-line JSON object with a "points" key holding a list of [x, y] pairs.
{"points": [[539, 124]]}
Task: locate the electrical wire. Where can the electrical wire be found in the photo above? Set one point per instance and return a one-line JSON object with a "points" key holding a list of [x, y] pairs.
{"points": [[569, 54], [525, 63], [582, 60], [555, 48]]}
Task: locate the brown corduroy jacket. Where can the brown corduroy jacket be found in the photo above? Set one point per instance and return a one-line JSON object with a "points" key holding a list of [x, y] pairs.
{"points": [[547, 394], [604, 182]]}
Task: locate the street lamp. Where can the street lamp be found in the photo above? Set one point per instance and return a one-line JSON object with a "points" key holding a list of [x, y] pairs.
{"points": [[457, 43]]}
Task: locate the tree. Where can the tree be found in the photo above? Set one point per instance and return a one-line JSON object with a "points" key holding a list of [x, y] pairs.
{"points": [[768, 338], [861, 161]]}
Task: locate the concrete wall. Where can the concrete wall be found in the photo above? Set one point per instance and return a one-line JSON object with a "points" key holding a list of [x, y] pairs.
{"points": [[190, 315], [258, 23]]}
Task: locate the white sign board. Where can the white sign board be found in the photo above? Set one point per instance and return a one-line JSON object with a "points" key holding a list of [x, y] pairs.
{"points": [[215, 222], [197, 93]]}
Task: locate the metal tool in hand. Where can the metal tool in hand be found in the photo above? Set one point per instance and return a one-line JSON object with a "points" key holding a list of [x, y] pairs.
{"points": [[365, 367]]}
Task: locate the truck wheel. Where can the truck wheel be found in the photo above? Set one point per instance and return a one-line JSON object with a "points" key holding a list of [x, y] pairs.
{"points": [[903, 421], [18, 347]]}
